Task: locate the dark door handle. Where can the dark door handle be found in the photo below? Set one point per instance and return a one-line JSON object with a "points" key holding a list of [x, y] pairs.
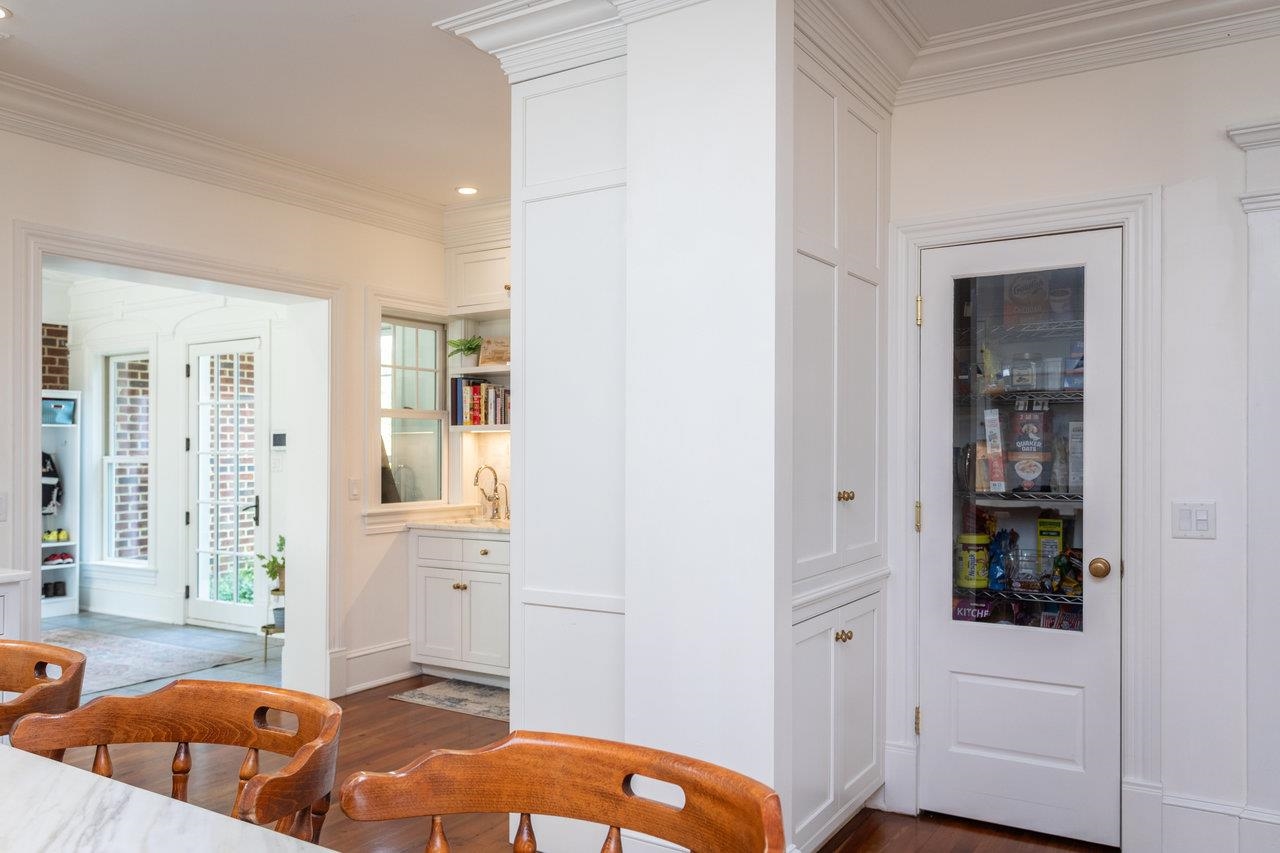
{"points": [[256, 506]]}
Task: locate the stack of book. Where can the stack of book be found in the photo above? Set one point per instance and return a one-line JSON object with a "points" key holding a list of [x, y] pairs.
{"points": [[474, 402]]}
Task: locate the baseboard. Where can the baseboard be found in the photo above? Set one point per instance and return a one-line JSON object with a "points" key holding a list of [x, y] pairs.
{"points": [[464, 675], [1141, 807], [373, 666], [1193, 825], [900, 778]]}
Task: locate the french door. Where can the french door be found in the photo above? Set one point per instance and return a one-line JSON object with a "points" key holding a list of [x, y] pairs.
{"points": [[228, 476], [1020, 535]]}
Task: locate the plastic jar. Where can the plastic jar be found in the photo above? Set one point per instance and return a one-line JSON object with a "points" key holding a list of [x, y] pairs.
{"points": [[1024, 372], [972, 560]]}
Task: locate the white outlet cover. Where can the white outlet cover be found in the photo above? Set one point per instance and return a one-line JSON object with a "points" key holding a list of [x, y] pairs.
{"points": [[1195, 520]]}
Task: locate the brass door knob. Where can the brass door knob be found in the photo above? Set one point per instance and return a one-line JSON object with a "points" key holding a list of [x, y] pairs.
{"points": [[484, 552], [1099, 567]]}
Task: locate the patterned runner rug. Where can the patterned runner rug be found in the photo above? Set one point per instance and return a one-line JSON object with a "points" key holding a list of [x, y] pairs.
{"points": [[113, 661], [478, 700]]}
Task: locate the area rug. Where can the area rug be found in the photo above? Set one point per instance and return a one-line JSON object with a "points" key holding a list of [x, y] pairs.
{"points": [[478, 700], [115, 661]]}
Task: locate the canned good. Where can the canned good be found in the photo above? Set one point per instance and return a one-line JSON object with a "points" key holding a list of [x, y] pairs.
{"points": [[972, 560]]}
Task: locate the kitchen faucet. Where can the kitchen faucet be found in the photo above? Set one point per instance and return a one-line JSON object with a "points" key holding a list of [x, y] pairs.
{"points": [[494, 499], [506, 499]]}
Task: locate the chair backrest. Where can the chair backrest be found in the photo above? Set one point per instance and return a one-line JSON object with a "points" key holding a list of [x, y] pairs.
{"points": [[295, 798], [24, 669], [530, 773]]}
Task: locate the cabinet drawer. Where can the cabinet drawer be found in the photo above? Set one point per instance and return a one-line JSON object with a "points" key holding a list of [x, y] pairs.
{"points": [[481, 551], [439, 548]]}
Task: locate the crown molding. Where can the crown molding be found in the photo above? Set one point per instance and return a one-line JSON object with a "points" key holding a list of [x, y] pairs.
{"points": [[1083, 37], [472, 224], [852, 50], [637, 10], [1258, 135], [52, 115]]}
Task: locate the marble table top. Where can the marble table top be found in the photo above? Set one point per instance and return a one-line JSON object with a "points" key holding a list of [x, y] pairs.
{"points": [[52, 807]]}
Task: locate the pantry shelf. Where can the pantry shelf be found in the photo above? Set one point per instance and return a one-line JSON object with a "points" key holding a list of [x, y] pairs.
{"points": [[1021, 595], [1071, 396]]}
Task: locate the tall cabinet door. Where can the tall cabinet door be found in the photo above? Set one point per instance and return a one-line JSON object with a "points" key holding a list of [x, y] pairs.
{"points": [[1020, 402], [838, 386], [815, 793], [860, 695], [439, 612]]}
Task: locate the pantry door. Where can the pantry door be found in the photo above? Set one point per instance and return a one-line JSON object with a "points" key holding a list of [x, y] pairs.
{"points": [[1020, 533], [227, 449]]}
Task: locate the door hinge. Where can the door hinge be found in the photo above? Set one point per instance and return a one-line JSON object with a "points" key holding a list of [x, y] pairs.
{"points": [[186, 591], [917, 719], [188, 445], [188, 371], [187, 518], [919, 310], [919, 510]]}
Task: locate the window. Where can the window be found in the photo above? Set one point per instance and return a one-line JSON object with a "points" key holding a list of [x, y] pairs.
{"points": [[411, 411], [127, 464]]}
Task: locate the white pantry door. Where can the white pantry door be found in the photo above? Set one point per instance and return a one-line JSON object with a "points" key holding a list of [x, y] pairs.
{"points": [[228, 456], [1020, 485]]}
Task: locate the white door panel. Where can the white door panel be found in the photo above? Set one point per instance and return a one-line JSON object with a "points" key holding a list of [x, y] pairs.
{"points": [[1020, 672], [439, 600], [814, 796], [485, 618]]}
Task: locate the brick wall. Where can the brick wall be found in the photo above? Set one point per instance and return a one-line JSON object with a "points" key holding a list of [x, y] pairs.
{"points": [[130, 480], [54, 357]]}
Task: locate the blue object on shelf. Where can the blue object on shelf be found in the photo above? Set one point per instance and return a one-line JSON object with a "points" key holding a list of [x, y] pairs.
{"points": [[57, 411]]}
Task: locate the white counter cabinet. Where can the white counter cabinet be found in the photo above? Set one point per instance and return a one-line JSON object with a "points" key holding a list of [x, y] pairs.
{"points": [[459, 600]]}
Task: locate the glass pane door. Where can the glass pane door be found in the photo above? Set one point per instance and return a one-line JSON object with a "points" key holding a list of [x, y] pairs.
{"points": [[1019, 449], [228, 482]]}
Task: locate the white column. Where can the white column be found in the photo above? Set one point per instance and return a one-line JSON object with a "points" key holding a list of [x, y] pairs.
{"points": [[1260, 823]]}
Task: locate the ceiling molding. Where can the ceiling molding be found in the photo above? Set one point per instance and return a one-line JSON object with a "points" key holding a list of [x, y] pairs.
{"points": [[1083, 37], [472, 224], [52, 115], [637, 10], [1264, 134], [829, 31], [902, 20]]}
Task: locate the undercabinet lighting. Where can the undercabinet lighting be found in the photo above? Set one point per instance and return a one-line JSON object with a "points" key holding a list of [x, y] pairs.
{"points": [[467, 190]]}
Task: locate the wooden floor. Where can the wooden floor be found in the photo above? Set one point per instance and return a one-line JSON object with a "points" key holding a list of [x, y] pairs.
{"points": [[379, 733]]}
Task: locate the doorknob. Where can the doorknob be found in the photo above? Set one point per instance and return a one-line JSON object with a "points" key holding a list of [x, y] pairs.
{"points": [[1099, 567]]}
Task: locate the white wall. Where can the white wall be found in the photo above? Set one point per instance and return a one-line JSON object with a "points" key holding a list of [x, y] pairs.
{"points": [[1159, 122], [54, 186]]}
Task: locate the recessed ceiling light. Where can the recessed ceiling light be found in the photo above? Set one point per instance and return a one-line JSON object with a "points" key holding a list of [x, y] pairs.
{"points": [[5, 13], [467, 190]]}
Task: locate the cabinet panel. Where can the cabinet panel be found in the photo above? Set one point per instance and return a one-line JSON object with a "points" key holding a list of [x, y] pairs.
{"points": [[481, 551], [815, 143], [439, 613], [439, 548], [814, 794], [860, 412], [486, 618], [10, 610], [481, 278], [861, 158], [815, 417], [859, 686]]}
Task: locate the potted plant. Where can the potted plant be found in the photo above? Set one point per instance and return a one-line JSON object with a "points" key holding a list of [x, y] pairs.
{"points": [[468, 348], [273, 565]]}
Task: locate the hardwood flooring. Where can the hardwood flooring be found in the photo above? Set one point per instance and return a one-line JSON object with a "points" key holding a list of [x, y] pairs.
{"points": [[381, 734]]}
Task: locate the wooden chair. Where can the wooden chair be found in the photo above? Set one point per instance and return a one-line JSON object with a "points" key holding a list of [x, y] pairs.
{"points": [[295, 798], [24, 669], [575, 777]]}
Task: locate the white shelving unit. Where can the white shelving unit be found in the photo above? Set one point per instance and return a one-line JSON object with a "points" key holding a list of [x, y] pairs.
{"points": [[63, 441], [482, 444]]}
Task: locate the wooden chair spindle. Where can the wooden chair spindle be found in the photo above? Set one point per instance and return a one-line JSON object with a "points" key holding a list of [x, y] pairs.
{"points": [[181, 767], [319, 809], [437, 843], [102, 761], [249, 769], [612, 841], [525, 841]]}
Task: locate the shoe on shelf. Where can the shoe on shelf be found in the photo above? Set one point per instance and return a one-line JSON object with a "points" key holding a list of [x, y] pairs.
{"points": [[67, 559], [59, 589], [49, 536], [46, 590], [52, 560], [63, 535]]}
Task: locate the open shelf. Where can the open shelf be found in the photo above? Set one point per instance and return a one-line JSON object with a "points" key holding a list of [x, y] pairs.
{"points": [[486, 370], [482, 428], [1028, 499], [70, 543]]}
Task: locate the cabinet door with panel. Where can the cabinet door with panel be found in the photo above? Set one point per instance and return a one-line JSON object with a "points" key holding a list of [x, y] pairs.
{"points": [[438, 608], [838, 683], [481, 278], [10, 611], [486, 603]]}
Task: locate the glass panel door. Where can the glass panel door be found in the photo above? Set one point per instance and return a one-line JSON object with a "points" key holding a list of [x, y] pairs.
{"points": [[1019, 449], [228, 481]]}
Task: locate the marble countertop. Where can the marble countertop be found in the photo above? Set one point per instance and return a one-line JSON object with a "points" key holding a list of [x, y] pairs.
{"points": [[51, 807], [463, 525]]}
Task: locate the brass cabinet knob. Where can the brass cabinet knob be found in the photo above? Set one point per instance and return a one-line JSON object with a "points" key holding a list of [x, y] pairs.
{"points": [[844, 636], [507, 288], [457, 585], [484, 552], [1099, 567], [845, 495], [462, 586]]}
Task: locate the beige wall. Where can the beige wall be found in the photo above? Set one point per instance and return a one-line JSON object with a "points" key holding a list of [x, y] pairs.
{"points": [[54, 186], [1154, 123]]}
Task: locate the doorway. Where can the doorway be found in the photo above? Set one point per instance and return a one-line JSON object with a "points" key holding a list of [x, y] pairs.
{"points": [[181, 483], [1021, 494]]}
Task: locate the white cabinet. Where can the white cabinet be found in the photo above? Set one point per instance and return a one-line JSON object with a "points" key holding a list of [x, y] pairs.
{"points": [[838, 718], [11, 611], [478, 278], [460, 603]]}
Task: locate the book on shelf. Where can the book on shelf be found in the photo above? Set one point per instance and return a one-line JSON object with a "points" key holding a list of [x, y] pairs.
{"points": [[474, 402]]}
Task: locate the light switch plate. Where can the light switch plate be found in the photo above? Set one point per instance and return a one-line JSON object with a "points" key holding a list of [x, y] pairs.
{"points": [[353, 489], [1195, 520]]}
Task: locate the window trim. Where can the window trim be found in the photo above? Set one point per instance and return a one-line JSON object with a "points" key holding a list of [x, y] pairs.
{"points": [[110, 458]]}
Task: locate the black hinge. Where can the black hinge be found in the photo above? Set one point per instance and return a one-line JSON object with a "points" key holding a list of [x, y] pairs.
{"points": [[188, 371], [188, 445], [188, 517], [186, 591]]}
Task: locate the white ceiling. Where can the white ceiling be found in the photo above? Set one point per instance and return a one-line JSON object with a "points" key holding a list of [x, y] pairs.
{"points": [[366, 90], [942, 17]]}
